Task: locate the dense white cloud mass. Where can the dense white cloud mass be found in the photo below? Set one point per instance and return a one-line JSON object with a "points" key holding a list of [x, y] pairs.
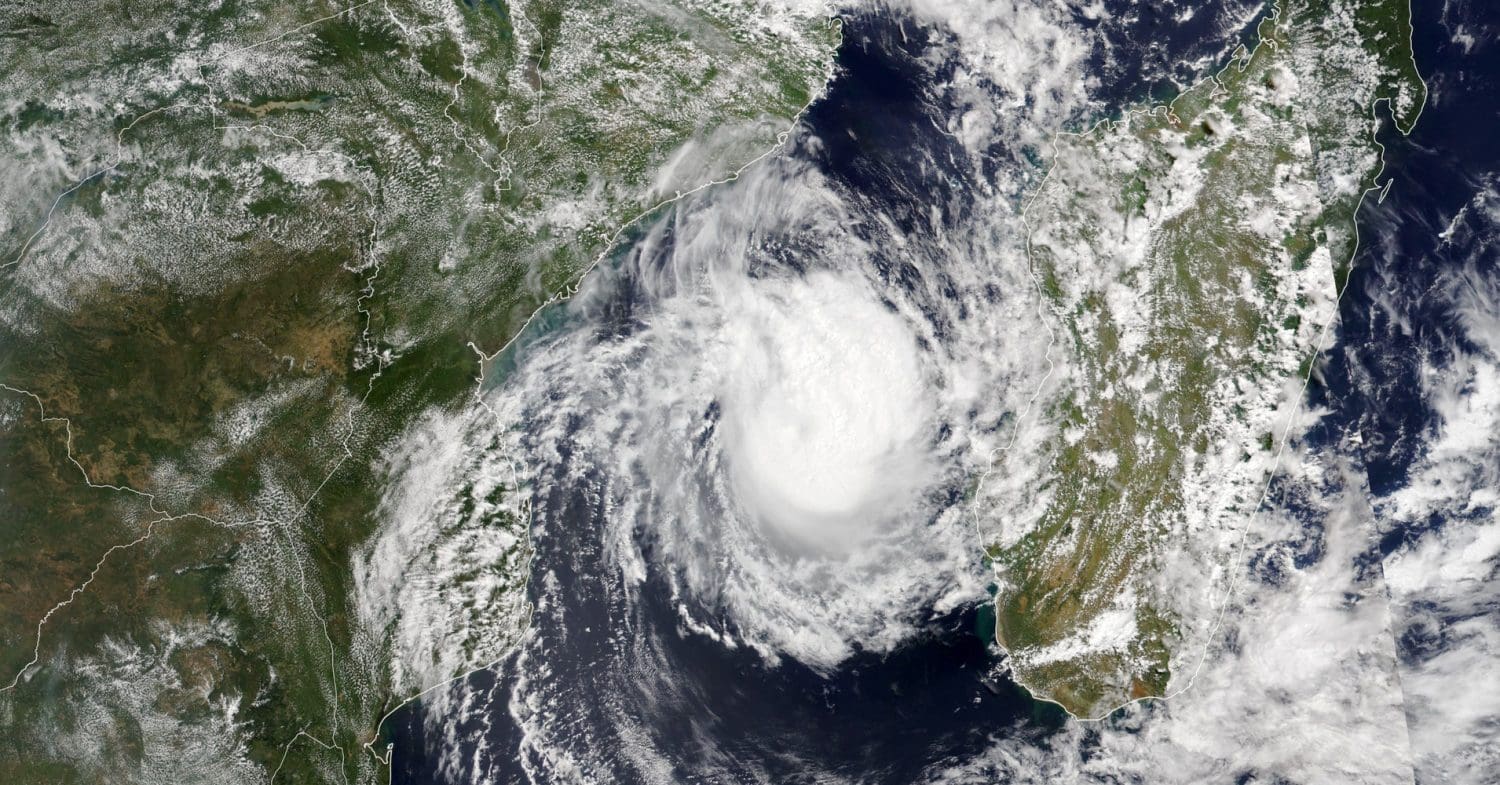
{"points": [[776, 441], [825, 409], [1444, 578], [779, 400]]}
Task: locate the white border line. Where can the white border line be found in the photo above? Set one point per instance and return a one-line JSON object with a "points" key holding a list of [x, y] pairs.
{"points": [[1318, 349], [835, 22]]}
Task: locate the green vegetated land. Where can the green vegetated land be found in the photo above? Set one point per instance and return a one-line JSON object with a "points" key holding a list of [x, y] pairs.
{"points": [[1191, 255], [300, 217]]}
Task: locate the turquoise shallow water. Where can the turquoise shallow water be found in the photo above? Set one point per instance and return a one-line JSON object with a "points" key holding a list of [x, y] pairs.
{"points": [[617, 684]]}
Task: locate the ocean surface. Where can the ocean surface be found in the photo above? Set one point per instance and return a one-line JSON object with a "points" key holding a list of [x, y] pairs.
{"points": [[697, 710]]}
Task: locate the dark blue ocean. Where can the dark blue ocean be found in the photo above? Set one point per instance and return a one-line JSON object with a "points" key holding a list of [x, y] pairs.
{"points": [[887, 719], [1416, 244]]}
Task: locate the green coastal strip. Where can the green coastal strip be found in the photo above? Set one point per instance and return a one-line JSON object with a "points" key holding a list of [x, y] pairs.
{"points": [[1191, 255]]}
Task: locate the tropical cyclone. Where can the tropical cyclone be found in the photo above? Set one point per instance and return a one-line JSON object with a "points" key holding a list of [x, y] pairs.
{"points": [[245, 248], [827, 411], [1191, 256]]}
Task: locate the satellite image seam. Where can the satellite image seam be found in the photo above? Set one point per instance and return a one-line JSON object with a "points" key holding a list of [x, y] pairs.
{"points": [[660, 391]]}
